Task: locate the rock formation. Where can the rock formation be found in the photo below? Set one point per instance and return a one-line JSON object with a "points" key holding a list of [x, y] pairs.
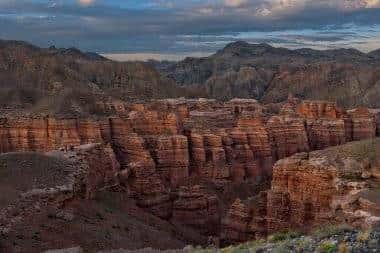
{"points": [[363, 124], [319, 109], [171, 157], [299, 195], [376, 112], [287, 135], [97, 168], [235, 226], [196, 208], [208, 156], [311, 189], [176, 159]]}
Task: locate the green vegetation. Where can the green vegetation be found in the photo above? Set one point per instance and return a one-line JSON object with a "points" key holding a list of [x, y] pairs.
{"points": [[327, 239], [282, 236], [304, 245], [328, 247], [253, 246]]}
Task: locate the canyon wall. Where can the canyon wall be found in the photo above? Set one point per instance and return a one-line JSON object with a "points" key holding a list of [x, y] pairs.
{"points": [[335, 185], [166, 149]]}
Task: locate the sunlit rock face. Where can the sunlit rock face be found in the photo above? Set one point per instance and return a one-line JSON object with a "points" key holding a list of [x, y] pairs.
{"points": [[234, 141], [319, 109], [363, 124], [304, 192], [335, 185], [288, 136], [165, 154]]}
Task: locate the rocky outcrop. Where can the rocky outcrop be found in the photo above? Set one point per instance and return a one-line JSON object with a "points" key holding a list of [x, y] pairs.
{"points": [[240, 153], [300, 195], [245, 220], [287, 135], [96, 168], [141, 175], [323, 133], [311, 189], [171, 156], [259, 142], [323, 187], [164, 154], [235, 226], [363, 124], [46, 134], [208, 156], [196, 208], [153, 122], [319, 109], [376, 112], [327, 125]]}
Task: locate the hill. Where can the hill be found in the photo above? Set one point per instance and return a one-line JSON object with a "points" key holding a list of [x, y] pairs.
{"points": [[68, 82], [263, 72]]}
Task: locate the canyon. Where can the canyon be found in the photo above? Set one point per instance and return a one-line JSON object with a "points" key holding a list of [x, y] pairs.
{"points": [[199, 170]]}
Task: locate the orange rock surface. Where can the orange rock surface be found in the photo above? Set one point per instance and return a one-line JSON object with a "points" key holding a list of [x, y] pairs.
{"points": [[319, 109], [161, 152]]}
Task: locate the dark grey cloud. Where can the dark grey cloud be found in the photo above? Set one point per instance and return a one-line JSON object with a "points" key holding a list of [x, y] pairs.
{"points": [[162, 26]]}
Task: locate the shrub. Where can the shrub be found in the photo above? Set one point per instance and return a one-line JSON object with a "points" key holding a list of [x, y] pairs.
{"points": [[304, 245], [328, 247], [282, 236], [363, 236], [278, 237]]}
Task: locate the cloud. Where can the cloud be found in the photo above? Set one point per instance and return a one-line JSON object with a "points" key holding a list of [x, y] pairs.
{"points": [[373, 4], [167, 26], [86, 2], [278, 8], [235, 3]]}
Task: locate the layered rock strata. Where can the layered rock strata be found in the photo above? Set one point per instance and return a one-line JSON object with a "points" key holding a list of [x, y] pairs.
{"points": [[319, 109], [164, 145], [363, 124], [171, 156], [245, 220], [194, 207], [287, 135], [311, 189]]}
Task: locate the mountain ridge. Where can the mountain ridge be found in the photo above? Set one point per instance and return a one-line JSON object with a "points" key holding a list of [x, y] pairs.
{"points": [[63, 81], [69, 82], [269, 74]]}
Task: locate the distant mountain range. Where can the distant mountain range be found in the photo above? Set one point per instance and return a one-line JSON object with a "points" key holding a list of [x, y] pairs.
{"points": [[263, 72], [68, 82]]}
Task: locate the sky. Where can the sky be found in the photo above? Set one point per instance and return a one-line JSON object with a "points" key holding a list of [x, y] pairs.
{"points": [[173, 29]]}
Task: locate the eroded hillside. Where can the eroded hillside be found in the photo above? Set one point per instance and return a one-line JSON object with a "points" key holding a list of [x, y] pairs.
{"points": [[70, 83], [269, 74], [173, 172]]}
